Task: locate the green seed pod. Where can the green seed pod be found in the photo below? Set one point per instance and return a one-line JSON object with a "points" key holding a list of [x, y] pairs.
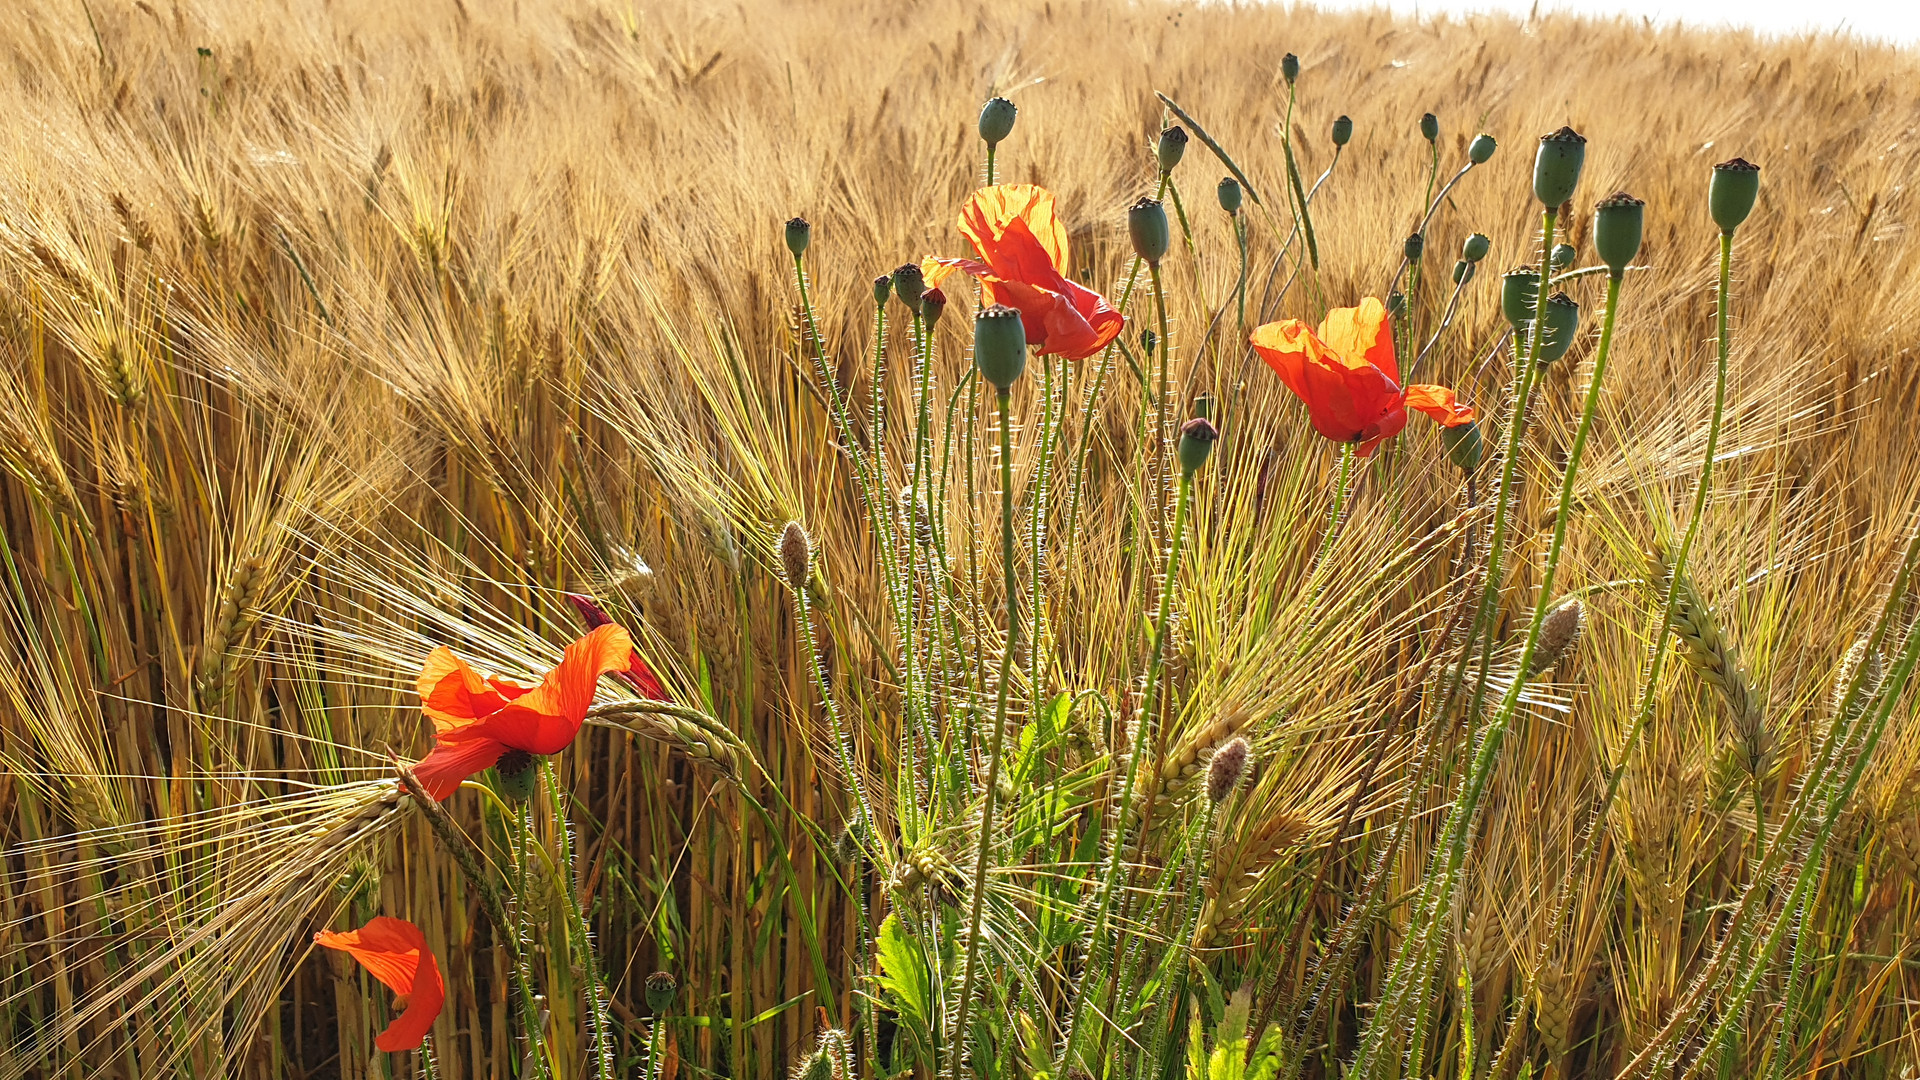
{"points": [[1463, 445], [932, 303], [1429, 126], [1617, 225], [908, 284], [1172, 147], [1397, 304], [999, 345], [1481, 148], [1463, 272], [1415, 246], [1342, 130], [1196, 443], [1562, 256], [1229, 193], [1556, 169], [996, 120], [1147, 227], [1290, 68], [1563, 324], [799, 233], [882, 287], [1730, 197], [660, 990], [1518, 288], [1476, 247], [517, 776]]}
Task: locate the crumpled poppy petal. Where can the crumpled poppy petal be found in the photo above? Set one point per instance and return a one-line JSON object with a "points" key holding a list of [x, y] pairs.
{"points": [[1362, 336], [453, 695], [1439, 403], [546, 718], [395, 952], [638, 675], [1015, 229], [1345, 402], [1389, 425], [453, 760]]}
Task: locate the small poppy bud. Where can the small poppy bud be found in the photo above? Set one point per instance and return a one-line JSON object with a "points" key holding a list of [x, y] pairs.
{"points": [[1342, 130], [1415, 246], [796, 555], [590, 612], [996, 120], [1475, 248], [882, 288], [1518, 289], [1147, 227], [1560, 634], [1617, 225], [799, 233], [1563, 322], [1227, 769], [932, 303], [1397, 304], [1556, 169], [660, 990], [908, 284], [1147, 341], [1429, 126], [1196, 443], [1481, 148], [518, 777], [1172, 147], [1290, 68], [1463, 445], [1562, 256], [999, 345], [1229, 193], [817, 1067], [1462, 272], [1730, 197]]}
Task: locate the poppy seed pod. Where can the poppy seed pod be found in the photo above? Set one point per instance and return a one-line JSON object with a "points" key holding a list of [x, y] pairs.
{"points": [[1518, 288], [1563, 323], [1617, 225], [1556, 169], [799, 233], [1730, 197], [1562, 256], [660, 990], [1463, 445], [1342, 130], [882, 287], [1476, 247], [1172, 147], [1197, 437], [1429, 126], [908, 284], [1397, 305], [1290, 68], [1229, 193], [1227, 768], [1462, 272], [999, 345], [518, 777], [996, 120], [796, 555], [1415, 246], [932, 303], [1481, 148], [1147, 227]]}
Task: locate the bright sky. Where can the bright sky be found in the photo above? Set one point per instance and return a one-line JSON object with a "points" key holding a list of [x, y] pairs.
{"points": [[1887, 20]]}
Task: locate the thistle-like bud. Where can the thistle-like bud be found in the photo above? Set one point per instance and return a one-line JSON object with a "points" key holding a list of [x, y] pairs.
{"points": [[1290, 68], [1481, 149], [1197, 437], [1518, 289], [1617, 226], [1397, 304], [932, 303], [1463, 272], [1563, 255], [1229, 193], [908, 284], [1147, 227], [1563, 323], [1429, 126], [818, 1066], [1227, 769], [660, 990], [1560, 635], [1476, 247], [1415, 246], [1463, 445], [517, 775], [1171, 148], [1736, 184], [996, 120], [796, 555], [1556, 169], [999, 345], [1342, 130], [799, 234], [882, 288]]}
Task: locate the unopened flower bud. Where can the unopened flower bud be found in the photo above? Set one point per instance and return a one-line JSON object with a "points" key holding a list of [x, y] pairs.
{"points": [[996, 120], [1475, 248], [1172, 147], [1229, 193], [1397, 304], [1290, 68], [1148, 339], [1556, 169], [1197, 437], [1463, 272], [1736, 184], [999, 345], [882, 288], [908, 284], [932, 303], [660, 990], [1147, 227], [796, 555], [1429, 126], [518, 776], [1560, 633], [1342, 130], [1518, 289], [1463, 445], [1562, 256], [1415, 246], [1227, 769], [1481, 148], [591, 613], [1617, 226], [1563, 323], [799, 234]]}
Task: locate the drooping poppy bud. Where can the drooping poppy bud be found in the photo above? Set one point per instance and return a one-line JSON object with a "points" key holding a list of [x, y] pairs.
{"points": [[909, 282], [1563, 255], [1148, 339], [1518, 289], [518, 776], [1429, 127], [661, 986], [1560, 634], [1147, 227], [1342, 130], [1736, 184], [1463, 272], [1229, 194], [999, 345], [1172, 147], [882, 287], [996, 120], [1197, 437], [932, 303], [1227, 768], [1290, 68], [1415, 246], [1481, 149], [1563, 323], [1463, 445], [796, 555], [1475, 248], [1556, 169], [799, 234], [1617, 225]]}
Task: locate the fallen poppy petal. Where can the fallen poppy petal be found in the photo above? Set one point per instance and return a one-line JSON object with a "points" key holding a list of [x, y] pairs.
{"points": [[395, 952]]}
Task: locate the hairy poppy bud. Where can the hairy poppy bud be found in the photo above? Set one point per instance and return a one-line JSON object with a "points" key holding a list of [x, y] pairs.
{"points": [[1227, 769], [1560, 634], [1562, 256], [1290, 68], [1415, 246], [1617, 225], [1147, 227], [932, 303], [518, 777], [1563, 322], [1172, 147], [999, 345], [1518, 289], [996, 120], [660, 990], [1475, 248], [1342, 130], [799, 233], [1556, 169], [796, 555], [908, 284], [1462, 272], [1429, 126], [817, 1067], [1463, 445], [1196, 443], [1730, 197], [1147, 341], [882, 287], [1481, 148], [1397, 304], [1229, 193]]}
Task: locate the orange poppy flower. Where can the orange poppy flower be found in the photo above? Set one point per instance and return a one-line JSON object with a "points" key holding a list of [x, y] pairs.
{"points": [[639, 673], [1023, 264], [476, 720], [395, 952], [1348, 377]]}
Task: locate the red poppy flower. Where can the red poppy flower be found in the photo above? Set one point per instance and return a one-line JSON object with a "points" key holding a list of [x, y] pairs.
{"points": [[639, 674], [1348, 377], [395, 952], [1023, 264], [476, 720]]}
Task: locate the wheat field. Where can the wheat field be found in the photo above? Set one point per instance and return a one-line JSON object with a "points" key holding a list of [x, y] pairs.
{"points": [[334, 332]]}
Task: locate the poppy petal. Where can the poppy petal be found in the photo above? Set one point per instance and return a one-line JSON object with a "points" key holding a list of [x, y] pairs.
{"points": [[1439, 403], [453, 760], [546, 718], [640, 676], [452, 694], [1362, 335], [1344, 401], [1021, 218], [1389, 425], [395, 952]]}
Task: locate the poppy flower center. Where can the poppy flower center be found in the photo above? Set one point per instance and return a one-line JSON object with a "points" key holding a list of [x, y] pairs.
{"points": [[512, 763]]}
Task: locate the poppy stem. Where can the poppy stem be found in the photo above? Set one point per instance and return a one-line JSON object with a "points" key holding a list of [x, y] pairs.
{"points": [[1162, 429], [1339, 504], [599, 1014], [991, 148]]}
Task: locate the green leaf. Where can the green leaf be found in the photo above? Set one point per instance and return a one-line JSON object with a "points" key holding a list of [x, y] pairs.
{"points": [[903, 971]]}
